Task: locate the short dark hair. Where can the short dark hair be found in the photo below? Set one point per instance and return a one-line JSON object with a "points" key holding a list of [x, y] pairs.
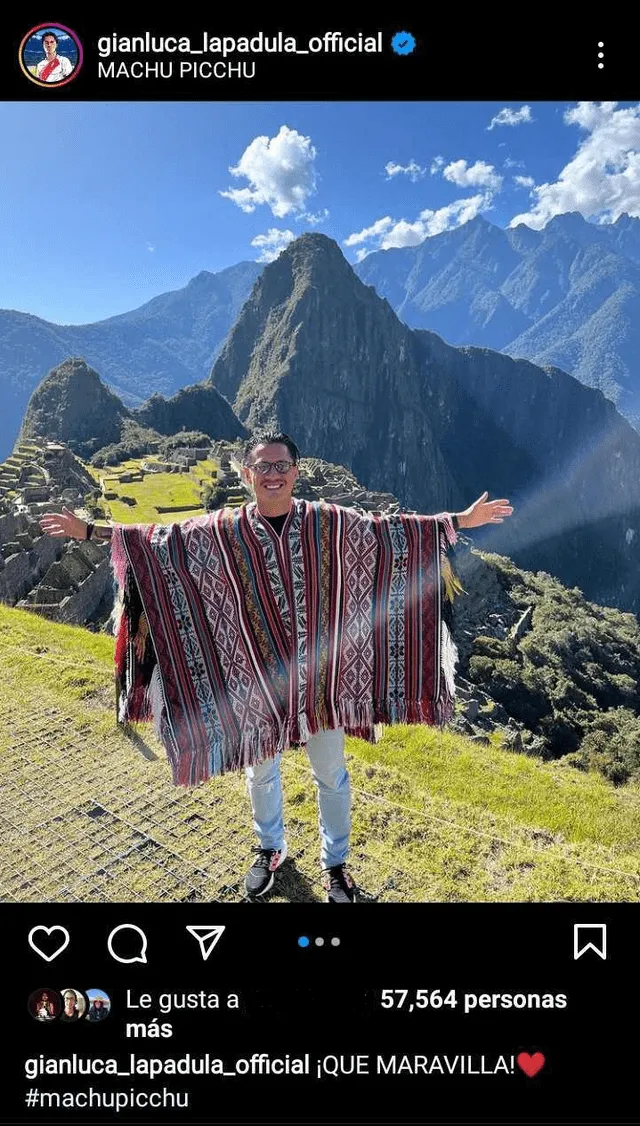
{"points": [[271, 438], [51, 34]]}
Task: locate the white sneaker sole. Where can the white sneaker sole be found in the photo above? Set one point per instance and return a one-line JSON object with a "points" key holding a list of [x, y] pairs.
{"points": [[283, 857]]}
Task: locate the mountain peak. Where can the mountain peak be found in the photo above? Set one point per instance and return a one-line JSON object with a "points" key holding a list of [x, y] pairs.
{"points": [[570, 222], [73, 405], [73, 368], [311, 262], [203, 278], [312, 252]]}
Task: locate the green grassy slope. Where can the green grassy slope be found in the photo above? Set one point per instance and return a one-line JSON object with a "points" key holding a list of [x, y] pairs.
{"points": [[89, 813]]}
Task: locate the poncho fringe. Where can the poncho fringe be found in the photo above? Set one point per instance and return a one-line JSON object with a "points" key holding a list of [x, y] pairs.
{"points": [[238, 643]]}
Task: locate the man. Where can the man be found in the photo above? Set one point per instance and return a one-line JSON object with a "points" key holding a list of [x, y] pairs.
{"points": [[54, 67], [97, 1010], [71, 1009], [277, 566]]}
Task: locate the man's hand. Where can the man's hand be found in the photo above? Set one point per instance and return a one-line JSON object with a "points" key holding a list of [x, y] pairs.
{"points": [[484, 511], [63, 523]]}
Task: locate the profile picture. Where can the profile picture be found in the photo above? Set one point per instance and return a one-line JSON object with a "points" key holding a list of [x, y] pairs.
{"points": [[99, 1005], [74, 1004], [45, 1005], [50, 55]]}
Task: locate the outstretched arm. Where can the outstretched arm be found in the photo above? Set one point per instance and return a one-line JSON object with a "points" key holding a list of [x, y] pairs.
{"points": [[66, 523], [484, 511]]}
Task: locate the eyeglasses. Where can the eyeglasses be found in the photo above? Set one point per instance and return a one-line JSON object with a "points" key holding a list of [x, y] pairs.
{"points": [[263, 467]]}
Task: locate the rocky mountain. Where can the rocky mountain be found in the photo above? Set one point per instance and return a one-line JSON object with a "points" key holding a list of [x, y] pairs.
{"points": [[568, 295], [320, 354], [198, 407], [164, 345], [73, 405]]}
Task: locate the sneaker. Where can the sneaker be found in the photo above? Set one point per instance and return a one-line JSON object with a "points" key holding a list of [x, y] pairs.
{"points": [[260, 877], [339, 885]]}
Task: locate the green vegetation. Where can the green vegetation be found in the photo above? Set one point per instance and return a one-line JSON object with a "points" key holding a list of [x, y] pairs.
{"points": [[191, 438], [132, 495], [135, 441], [573, 680], [178, 491], [435, 816], [214, 496]]}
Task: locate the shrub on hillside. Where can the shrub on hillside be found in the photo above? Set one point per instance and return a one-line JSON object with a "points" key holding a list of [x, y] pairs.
{"points": [[214, 496], [135, 441], [573, 680], [612, 747], [190, 438]]}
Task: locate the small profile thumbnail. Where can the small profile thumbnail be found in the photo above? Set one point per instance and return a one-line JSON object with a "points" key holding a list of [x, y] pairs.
{"points": [[45, 1005], [50, 55], [99, 1005], [74, 1004]]}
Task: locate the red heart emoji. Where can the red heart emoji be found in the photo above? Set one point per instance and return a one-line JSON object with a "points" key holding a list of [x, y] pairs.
{"points": [[531, 1065]]}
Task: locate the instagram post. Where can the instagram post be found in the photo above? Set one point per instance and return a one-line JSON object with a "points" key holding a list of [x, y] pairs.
{"points": [[319, 572]]}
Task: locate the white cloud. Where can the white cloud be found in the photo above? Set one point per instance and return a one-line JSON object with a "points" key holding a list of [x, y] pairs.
{"points": [[377, 229], [524, 181], [150, 248], [387, 232], [508, 116], [602, 180], [271, 244], [478, 175], [413, 170], [311, 219], [280, 171]]}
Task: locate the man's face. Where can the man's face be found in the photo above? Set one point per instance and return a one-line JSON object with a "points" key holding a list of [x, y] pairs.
{"points": [[274, 484], [49, 45]]}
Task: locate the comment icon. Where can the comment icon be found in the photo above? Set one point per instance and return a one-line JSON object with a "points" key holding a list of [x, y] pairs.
{"points": [[121, 943]]}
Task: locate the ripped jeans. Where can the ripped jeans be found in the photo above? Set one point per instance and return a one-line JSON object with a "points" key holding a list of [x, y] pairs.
{"points": [[329, 770]]}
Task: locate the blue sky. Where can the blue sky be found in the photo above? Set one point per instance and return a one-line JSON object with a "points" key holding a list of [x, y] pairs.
{"points": [[105, 205]]}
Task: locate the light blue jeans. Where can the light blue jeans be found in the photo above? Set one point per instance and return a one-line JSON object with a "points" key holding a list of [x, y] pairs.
{"points": [[329, 769]]}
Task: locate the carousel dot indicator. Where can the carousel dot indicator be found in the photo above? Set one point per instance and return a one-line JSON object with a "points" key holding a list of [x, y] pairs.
{"points": [[335, 941], [319, 941], [303, 940]]}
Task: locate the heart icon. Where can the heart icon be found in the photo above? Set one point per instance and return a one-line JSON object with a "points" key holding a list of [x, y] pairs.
{"points": [[62, 943], [531, 1065]]}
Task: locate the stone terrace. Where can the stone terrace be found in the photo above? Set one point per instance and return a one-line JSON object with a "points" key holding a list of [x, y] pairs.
{"points": [[63, 580]]}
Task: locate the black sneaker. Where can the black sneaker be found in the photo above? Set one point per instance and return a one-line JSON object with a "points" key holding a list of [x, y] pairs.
{"points": [[339, 885], [260, 877]]}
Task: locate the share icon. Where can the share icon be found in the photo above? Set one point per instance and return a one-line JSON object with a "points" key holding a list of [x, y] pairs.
{"points": [[207, 938]]}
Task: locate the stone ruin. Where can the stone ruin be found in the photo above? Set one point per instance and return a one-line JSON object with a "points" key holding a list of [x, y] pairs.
{"points": [[189, 455], [320, 480], [61, 579], [77, 588]]}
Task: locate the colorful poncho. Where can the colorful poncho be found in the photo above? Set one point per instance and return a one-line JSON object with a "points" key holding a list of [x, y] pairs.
{"points": [[240, 643]]}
